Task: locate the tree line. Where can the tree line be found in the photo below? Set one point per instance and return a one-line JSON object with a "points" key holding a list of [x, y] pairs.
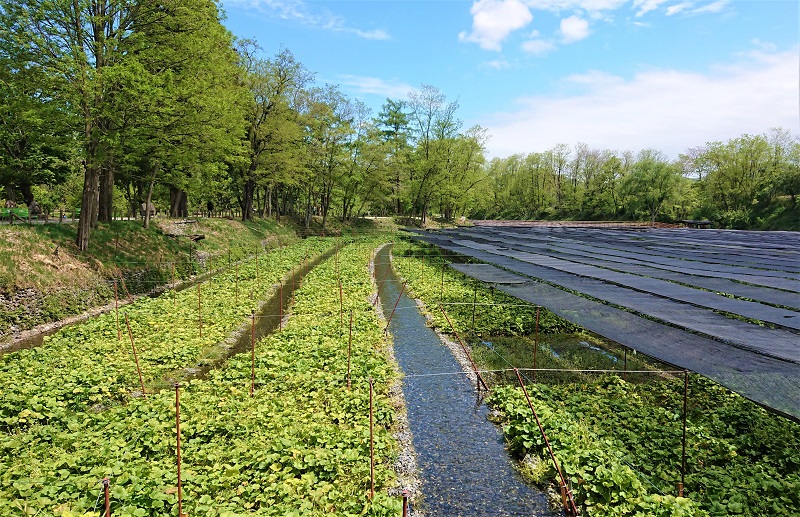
{"points": [[737, 184], [118, 104]]}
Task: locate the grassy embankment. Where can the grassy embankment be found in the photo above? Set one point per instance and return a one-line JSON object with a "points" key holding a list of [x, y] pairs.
{"points": [[44, 277]]}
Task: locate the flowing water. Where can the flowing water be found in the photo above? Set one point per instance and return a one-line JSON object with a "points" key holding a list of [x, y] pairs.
{"points": [[464, 467]]}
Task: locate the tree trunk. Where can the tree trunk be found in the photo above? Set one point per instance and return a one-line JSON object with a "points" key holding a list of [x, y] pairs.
{"points": [[174, 201], [88, 206], [106, 199], [247, 200], [150, 197], [268, 195], [309, 203]]}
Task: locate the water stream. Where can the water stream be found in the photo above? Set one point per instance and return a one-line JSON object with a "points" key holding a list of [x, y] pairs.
{"points": [[464, 467]]}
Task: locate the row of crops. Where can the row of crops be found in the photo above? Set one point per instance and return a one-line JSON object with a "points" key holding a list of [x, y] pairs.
{"points": [[72, 411], [618, 441]]}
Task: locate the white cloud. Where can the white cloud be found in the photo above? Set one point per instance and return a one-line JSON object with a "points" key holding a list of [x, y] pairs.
{"points": [[494, 20], [497, 64], [713, 7], [585, 5], [670, 110], [375, 86], [574, 29], [538, 47], [763, 45], [645, 6], [677, 8], [300, 11]]}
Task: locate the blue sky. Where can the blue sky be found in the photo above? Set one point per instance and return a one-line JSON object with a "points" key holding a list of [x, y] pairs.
{"points": [[614, 74]]}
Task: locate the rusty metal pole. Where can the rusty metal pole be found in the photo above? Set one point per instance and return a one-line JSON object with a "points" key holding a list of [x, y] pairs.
{"points": [[536, 343], [178, 445], [625, 365], [199, 310], [349, 351], [341, 305], [378, 281], [116, 309], [135, 357], [294, 285], [107, 497], [405, 502], [441, 288], [683, 448], [480, 380], [572, 507], [474, 302], [371, 442], [253, 354], [395, 307]]}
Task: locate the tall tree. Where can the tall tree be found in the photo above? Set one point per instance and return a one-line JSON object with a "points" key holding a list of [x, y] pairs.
{"points": [[435, 128], [78, 42], [191, 116], [652, 182], [393, 122], [274, 128], [36, 145]]}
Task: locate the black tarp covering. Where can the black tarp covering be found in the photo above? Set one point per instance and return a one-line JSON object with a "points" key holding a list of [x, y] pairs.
{"points": [[672, 322]]}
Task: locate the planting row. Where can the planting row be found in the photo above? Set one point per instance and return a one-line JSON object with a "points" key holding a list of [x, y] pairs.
{"points": [[471, 306], [92, 365], [297, 444], [619, 443]]}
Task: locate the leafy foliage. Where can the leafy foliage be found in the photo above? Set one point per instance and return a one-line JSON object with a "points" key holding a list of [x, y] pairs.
{"points": [[299, 446], [431, 280], [619, 442]]}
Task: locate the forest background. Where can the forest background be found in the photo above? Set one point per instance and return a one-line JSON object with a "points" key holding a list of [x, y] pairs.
{"points": [[108, 105]]}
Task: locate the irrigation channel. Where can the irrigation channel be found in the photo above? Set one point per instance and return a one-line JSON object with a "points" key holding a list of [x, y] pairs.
{"points": [[267, 319], [464, 466]]}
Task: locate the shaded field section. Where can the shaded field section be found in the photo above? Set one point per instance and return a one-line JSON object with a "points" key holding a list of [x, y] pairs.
{"points": [[661, 292]]}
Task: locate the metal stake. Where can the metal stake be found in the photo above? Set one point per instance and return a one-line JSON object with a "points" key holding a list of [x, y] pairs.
{"points": [[536, 343], [253, 354], [178, 445], [371, 442], [349, 351], [107, 497], [395, 307], [116, 309], [683, 448]]}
